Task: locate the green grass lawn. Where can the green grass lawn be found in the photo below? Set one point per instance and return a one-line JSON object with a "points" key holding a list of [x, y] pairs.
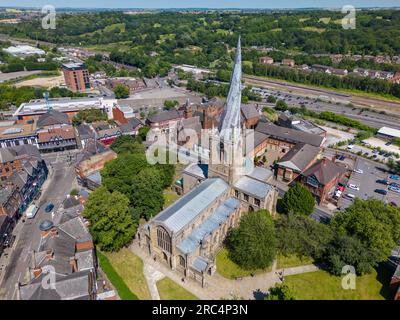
{"points": [[169, 290], [169, 197], [292, 261], [130, 268], [123, 291], [320, 285], [229, 269]]}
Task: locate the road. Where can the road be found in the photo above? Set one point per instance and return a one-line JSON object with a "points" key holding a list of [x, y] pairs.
{"points": [[57, 186], [359, 100]]}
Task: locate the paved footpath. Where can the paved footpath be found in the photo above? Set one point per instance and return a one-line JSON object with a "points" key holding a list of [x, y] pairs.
{"points": [[152, 275], [219, 287]]}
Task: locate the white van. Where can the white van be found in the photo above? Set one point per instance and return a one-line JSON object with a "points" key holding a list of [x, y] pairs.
{"points": [[31, 211]]}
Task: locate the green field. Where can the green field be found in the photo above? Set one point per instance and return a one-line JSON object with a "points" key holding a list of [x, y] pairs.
{"points": [[130, 268], [169, 290], [314, 29], [320, 285], [292, 261], [123, 291], [229, 269]]}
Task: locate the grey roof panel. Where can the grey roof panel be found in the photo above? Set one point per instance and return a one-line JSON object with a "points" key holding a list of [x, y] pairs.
{"points": [[261, 174], [218, 217], [254, 187], [187, 208], [200, 264]]}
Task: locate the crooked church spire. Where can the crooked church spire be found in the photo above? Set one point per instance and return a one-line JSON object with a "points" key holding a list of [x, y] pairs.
{"points": [[230, 120]]}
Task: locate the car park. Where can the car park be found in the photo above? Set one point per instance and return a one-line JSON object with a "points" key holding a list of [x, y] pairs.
{"points": [[354, 187], [49, 207], [394, 189], [381, 191], [382, 181]]}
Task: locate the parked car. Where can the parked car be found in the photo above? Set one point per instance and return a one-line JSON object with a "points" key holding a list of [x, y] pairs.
{"points": [[350, 147], [350, 196], [383, 181], [396, 185], [393, 204], [381, 191], [394, 177], [353, 186], [341, 188], [388, 143], [394, 189], [358, 171], [49, 207], [341, 158]]}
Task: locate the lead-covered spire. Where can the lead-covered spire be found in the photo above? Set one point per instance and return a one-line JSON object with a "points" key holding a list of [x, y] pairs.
{"points": [[230, 121]]}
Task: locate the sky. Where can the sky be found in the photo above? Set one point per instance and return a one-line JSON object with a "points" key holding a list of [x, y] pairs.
{"points": [[200, 3]]}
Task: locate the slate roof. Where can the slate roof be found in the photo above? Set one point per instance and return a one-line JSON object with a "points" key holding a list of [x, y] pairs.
{"points": [[299, 157], [7, 155], [324, 171], [165, 116], [200, 264], [132, 125], [290, 135], [76, 229], [249, 111], [253, 187], [74, 286], [85, 132], [51, 118], [198, 170], [260, 174], [187, 208], [206, 228]]}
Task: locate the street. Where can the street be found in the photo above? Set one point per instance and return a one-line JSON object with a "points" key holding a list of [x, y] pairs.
{"points": [[59, 183]]}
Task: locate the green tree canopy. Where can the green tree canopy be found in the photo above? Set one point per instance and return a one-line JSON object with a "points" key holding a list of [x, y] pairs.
{"points": [[253, 244], [280, 291], [298, 200], [302, 236], [89, 116], [374, 223], [147, 193], [111, 222], [170, 104], [127, 144], [121, 91]]}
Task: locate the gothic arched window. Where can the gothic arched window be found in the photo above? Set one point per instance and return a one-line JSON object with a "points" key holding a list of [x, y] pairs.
{"points": [[164, 239]]}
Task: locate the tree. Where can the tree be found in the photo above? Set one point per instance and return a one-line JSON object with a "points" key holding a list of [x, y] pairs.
{"points": [[170, 104], [147, 193], [252, 245], [281, 291], [302, 236], [298, 200], [121, 91], [143, 133], [271, 99], [127, 144], [346, 250], [89, 116], [281, 105], [111, 222], [374, 223], [118, 174]]}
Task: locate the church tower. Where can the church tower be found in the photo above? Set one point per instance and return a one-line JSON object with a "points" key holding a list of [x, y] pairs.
{"points": [[227, 159]]}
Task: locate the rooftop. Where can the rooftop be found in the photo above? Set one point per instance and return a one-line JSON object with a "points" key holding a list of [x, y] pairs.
{"points": [[299, 157], [187, 208], [253, 187]]}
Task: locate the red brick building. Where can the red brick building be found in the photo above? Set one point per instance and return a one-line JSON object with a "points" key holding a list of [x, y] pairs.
{"points": [[76, 77]]}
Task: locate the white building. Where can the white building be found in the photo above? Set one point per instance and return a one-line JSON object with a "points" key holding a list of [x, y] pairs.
{"points": [[24, 51], [389, 133], [35, 108]]}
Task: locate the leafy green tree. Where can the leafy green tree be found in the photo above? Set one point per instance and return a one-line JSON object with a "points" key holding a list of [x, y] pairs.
{"points": [[170, 104], [127, 144], [302, 236], [346, 250], [280, 291], [147, 193], [271, 99], [374, 223], [121, 91], [143, 133], [298, 200], [253, 244], [281, 105], [111, 222], [118, 174]]}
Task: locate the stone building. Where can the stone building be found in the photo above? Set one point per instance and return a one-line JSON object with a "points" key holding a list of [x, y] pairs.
{"points": [[187, 235]]}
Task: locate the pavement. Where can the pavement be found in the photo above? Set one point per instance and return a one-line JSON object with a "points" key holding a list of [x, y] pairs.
{"points": [[218, 287], [59, 183]]}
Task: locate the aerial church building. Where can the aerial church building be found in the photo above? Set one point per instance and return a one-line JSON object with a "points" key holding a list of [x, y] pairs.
{"points": [[187, 235]]}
